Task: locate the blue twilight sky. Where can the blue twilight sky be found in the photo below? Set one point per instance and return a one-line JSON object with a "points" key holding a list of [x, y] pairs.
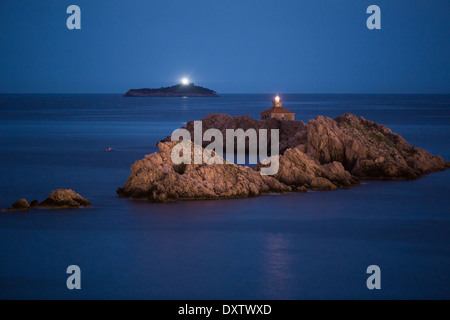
{"points": [[231, 46]]}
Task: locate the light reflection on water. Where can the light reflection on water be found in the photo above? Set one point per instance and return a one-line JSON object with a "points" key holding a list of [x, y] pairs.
{"points": [[277, 267]]}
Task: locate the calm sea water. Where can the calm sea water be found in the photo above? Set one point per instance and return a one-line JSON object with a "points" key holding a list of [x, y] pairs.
{"points": [[296, 246]]}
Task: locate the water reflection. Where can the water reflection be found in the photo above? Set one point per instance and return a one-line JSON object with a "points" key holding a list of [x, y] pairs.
{"points": [[277, 270]]}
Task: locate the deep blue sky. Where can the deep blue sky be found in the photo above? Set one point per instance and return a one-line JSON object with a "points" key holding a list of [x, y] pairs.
{"points": [[232, 46]]}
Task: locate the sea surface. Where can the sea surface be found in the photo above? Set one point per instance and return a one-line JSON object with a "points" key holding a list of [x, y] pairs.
{"points": [[316, 245]]}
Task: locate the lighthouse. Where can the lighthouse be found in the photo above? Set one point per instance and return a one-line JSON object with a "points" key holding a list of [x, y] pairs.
{"points": [[277, 111]]}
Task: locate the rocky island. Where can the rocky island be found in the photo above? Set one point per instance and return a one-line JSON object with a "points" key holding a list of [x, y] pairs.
{"points": [[179, 90], [325, 154], [58, 199]]}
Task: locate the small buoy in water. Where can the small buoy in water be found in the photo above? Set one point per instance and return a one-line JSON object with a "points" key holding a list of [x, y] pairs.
{"points": [[109, 149]]}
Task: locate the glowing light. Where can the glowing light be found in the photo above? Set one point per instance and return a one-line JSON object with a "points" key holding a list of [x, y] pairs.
{"points": [[277, 98], [185, 81]]}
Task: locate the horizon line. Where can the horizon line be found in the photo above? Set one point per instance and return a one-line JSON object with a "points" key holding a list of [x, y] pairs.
{"points": [[219, 93]]}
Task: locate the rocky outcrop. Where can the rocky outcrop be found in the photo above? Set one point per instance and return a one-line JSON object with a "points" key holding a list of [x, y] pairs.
{"points": [[58, 199], [325, 154], [366, 149], [302, 173], [21, 204], [156, 178], [64, 199]]}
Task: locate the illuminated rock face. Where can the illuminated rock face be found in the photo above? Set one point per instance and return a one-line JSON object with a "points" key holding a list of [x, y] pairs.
{"points": [[366, 149], [325, 154], [64, 199], [158, 179], [278, 112]]}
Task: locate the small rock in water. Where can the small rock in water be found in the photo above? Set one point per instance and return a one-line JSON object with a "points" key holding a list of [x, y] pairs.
{"points": [[21, 204], [109, 149], [65, 199], [34, 204]]}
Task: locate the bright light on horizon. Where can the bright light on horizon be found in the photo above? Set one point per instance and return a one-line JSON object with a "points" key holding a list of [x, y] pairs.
{"points": [[277, 98], [185, 81]]}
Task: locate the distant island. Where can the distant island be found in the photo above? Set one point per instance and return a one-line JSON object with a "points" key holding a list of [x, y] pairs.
{"points": [[179, 90]]}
